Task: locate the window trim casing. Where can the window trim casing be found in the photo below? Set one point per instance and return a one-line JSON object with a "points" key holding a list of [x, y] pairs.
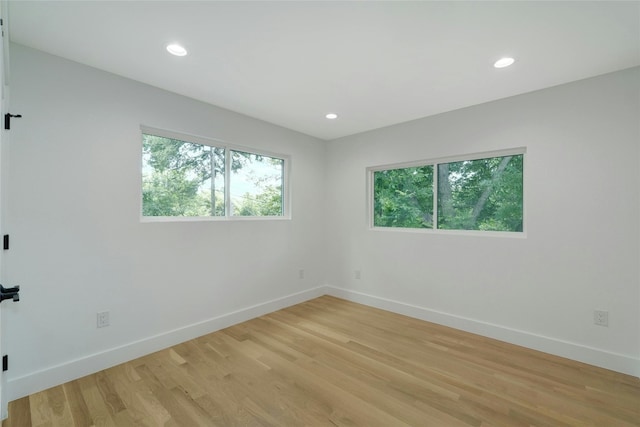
{"points": [[434, 162], [218, 143]]}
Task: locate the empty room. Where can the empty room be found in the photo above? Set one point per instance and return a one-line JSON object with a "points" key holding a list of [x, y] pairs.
{"points": [[320, 213]]}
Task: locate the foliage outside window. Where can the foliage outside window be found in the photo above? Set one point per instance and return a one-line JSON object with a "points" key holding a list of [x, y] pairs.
{"points": [[404, 197], [187, 179], [480, 194]]}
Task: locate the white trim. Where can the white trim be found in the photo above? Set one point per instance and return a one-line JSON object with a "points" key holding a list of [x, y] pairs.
{"points": [[480, 233], [73, 369], [370, 199], [626, 364], [434, 196], [161, 219], [450, 159], [227, 184], [68, 371], [182, 136], [212, 142]]}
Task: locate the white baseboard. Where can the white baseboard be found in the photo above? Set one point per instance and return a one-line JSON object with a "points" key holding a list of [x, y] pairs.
{"points": [[592, 356], [73, 369], [68, 371]]}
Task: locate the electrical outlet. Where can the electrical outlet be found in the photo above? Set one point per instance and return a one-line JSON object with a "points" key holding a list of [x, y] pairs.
{"points": [[300, 274], [102, 319], [357, 274], [601, 317]]}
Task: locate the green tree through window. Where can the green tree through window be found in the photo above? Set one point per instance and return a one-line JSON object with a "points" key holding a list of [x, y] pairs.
{"points": [[256, 189], [186, 179], [484, 194], [404, 197], [480, 194]]}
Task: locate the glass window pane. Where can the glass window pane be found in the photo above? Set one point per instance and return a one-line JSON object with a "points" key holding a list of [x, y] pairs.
{"points": [[256, 185], [177, 178], [403, 197], [483, 194]]}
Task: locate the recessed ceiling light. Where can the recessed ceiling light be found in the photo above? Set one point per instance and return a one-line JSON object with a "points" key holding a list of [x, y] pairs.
{"points": [[331, 116], [504, 62], [176, 49]]}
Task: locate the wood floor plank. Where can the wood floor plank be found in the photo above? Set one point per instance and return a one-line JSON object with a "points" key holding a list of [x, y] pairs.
{"points": [[97, 406], [40, 410], [60, 412], [20, 410], [330, 362], [79, 410], [165, 395]]}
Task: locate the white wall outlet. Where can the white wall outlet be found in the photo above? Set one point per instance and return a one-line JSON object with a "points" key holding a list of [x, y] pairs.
{"points": [[601, 317], [102, 319], [300, 274], [357, 274]]}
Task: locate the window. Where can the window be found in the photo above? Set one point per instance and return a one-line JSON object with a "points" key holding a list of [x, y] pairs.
{"points": [[256, 184], [479, 193], [183, 178], [404, 197]]}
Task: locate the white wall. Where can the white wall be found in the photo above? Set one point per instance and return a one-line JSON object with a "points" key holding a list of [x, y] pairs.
{"points": [[78, 246], [581, 248]]}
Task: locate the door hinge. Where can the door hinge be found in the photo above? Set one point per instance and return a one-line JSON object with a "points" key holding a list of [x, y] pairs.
{"points": [[5, 362], [5, 242]]}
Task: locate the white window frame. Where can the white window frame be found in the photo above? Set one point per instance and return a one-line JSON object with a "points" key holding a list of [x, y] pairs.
{"points": [[218, 143], [435, 162]]}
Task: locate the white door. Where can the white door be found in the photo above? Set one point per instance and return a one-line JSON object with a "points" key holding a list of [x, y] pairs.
{"points": [[3, 402], [3, 140]]}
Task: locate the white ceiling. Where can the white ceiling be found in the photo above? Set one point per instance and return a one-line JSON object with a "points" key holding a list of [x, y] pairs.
{"points": [[373, 63]]}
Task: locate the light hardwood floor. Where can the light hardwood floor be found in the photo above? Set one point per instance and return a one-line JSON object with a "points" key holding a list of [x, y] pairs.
{"points": [[330, 362]]}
